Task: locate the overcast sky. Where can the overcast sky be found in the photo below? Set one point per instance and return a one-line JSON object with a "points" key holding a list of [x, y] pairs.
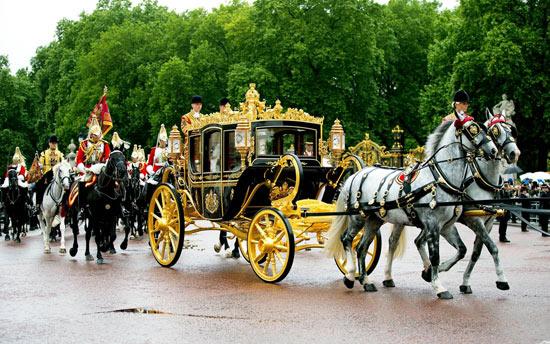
{"points": [[27, 24]]}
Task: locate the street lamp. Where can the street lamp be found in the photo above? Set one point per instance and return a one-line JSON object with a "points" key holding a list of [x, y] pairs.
{"points": [[174, 143], [242, 139], [337, 140]]}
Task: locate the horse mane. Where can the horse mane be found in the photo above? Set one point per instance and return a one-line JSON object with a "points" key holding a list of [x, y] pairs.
{"points": [[435, 138]]}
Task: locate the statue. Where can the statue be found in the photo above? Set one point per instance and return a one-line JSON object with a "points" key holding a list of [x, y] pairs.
{"points": [[505, 107]]}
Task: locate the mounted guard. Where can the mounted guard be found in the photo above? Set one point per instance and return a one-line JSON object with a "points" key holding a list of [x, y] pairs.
{"points": [[18, 164], [158, 156], [48, 159]]}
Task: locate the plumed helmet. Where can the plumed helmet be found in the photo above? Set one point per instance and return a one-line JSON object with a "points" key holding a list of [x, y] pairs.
{"points": [[18, 158], [95, 128], [135, 152], [116, 141], [163, 136], [196, 100], [461, 97]]}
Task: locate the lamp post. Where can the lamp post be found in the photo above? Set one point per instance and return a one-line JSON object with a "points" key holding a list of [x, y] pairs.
{"points": [[174, 144], [337, 140], [397, 147], [242, 140]]}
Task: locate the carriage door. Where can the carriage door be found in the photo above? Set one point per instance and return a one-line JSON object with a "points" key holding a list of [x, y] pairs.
{"points": [[212, 173]]}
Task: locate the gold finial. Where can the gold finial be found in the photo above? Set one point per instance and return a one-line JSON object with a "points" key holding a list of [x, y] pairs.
{"points": [[278, 108]]}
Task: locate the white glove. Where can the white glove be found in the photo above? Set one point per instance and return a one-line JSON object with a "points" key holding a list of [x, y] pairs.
{"points": [[81, 168]]}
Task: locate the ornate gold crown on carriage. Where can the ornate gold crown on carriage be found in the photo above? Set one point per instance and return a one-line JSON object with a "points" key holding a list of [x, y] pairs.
{"points": [[252, 173]]}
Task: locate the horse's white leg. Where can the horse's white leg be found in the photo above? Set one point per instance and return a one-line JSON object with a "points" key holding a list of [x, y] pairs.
{"points": [[482, 231], [62, 248], [46, 234], [355, 224], [420, 243], [432, 236], [393, 241], [450, 233]]}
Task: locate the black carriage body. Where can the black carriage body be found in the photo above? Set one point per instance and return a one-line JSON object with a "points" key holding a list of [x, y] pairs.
{"points": [[221, 189]]}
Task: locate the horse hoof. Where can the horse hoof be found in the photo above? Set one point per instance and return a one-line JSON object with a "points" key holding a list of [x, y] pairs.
{"points": [[100, 261], [62, 251], [217, 247], [503, 285], [124, 245], [388, 283], [18, 240], [235, 254], [427, 274], [465, 289], [89, 257], [348, 283], [112, 251], [445, 295], [73, 251], [370, 287], [47, 250]]}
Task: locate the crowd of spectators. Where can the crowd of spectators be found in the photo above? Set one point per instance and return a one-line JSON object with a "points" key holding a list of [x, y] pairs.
{"points": [[525, 191]]}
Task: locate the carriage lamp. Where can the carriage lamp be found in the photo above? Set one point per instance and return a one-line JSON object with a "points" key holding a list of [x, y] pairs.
{"points": [[337, 140], [242, 139], [174, 143]]}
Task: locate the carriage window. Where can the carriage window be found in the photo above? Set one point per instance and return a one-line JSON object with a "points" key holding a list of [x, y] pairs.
{"points": [[279, 141], [195, 153], [232, 158], [212, 151]]}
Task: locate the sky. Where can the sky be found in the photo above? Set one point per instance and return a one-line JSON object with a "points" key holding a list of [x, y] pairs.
{"points": [[26, 25]]}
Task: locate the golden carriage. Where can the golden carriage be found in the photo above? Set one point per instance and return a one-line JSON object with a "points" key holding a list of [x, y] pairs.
{"points": [[255, 173]]}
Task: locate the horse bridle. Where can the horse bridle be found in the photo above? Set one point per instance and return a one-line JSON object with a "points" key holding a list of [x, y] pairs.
{"points": [[58, 180], [13, 189], [116, 178]]}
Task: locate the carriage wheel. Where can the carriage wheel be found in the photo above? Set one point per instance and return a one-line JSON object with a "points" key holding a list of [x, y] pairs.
{"points": [[270, 245], [373, 253], [165, 225], [243, 247]]}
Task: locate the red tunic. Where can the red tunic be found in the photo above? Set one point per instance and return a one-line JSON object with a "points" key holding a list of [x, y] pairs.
{"points": [[101, 153]]}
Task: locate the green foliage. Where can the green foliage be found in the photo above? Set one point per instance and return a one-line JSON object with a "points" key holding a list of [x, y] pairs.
{"points": [[498, 47], [372, 66]]}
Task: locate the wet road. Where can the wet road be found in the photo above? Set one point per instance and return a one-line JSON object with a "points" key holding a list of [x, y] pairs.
{"points": [[209, 298]]}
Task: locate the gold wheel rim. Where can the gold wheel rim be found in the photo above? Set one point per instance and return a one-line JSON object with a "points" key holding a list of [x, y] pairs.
{"points": [[243, 246], [268, 245], [164, 225], [370, 253]]}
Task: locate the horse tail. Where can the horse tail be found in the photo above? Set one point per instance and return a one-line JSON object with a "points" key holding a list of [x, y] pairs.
{"points": [[334, 247], [401, 244]]}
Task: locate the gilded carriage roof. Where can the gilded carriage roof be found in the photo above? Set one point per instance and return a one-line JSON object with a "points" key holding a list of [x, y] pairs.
{"points": [[252, 109]]}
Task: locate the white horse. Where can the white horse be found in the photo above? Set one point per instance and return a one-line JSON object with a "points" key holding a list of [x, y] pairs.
{"points": [[52, 205], [481, 186], [439, 179]]}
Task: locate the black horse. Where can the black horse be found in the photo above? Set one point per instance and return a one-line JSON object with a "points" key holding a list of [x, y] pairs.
{"points": [[15, 201], [102, 204], [133, 213]]}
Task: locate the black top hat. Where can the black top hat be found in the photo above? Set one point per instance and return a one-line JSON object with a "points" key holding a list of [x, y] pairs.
{"points": [[53, 139], [461, 96], [224, 101], [196, 100]]}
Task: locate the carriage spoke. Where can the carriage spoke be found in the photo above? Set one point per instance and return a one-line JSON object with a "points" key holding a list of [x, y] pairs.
{"points": [[159, 207], [274, 263], [279, 236], [258, 258], [163, 251], [173, 231], [279, 257], [281, 248], [261, 230], [266, 264], [156, 216], [173, 244]]}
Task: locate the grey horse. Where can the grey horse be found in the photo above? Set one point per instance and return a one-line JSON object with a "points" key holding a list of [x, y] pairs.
{"points": [[439, 179], [52, 205], [481, 186]]}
